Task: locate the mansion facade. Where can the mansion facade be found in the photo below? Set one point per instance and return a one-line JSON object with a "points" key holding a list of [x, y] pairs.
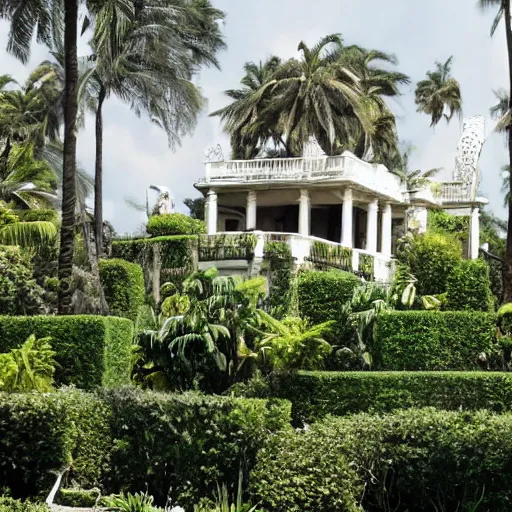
{"points": [[341, 201]]}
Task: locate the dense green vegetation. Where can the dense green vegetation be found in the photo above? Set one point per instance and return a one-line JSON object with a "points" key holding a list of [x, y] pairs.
{"points": [[89, 351], [315, 395]]}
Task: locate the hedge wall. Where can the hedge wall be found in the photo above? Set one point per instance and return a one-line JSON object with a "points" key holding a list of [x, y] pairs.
{"points": [[321, 296], [123, 286], [433, 340], [468, 287], [90, 351], [41, 434], [129, 440], [318, 394], [416, 460]]}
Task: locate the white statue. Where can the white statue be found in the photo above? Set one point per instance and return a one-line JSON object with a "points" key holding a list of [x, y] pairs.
{"points": [[165, 202]]}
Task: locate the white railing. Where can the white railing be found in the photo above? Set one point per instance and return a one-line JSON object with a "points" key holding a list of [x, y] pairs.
{"points": [[302, 249], [454, 192]]}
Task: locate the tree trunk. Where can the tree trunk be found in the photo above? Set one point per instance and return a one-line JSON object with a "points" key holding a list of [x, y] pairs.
{"points": [[98, 177], [67, 232], [507, 284]]}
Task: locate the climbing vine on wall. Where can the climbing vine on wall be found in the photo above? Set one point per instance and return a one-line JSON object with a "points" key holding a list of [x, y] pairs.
{"points": [[278, 256]]}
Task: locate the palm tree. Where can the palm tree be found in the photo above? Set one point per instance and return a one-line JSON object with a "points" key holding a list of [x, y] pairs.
{"points": [[412, 179], [501, 111], [142, 59], [45, 18], [240, 112], [504, 13], [439, 93]]}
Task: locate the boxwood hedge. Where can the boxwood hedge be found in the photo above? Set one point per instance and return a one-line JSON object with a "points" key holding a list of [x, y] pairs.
{"points": [[433, 340], [90, 351], [130, 440], [174, 224], [318, 394], [123, 286], [419, 459]]}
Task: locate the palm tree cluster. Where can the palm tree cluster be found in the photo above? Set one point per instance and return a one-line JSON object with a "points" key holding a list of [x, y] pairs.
{"points": [[146, 52], [333, 92]]}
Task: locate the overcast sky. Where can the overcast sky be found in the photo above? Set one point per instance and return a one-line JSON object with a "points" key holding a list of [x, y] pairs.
{"points": [[136, 153]]}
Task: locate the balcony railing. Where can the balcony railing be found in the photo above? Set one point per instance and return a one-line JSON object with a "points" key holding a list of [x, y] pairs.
{"points": [[320, 252]]}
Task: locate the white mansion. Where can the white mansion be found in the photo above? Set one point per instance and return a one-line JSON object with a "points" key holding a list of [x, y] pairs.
{"points": [[340, 200]]}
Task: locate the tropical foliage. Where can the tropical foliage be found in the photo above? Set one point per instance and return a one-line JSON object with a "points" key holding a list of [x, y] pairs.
{"points": [[439, 94], [333, 92]]}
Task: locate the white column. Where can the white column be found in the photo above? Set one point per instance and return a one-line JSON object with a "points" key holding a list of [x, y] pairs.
{"points": [[347, 218], [371, 226], [386, 235], [474, 233], [211, 201], [250, 212], [304, 212]]}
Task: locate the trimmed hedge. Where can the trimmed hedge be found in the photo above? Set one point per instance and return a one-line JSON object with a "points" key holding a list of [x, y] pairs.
{"points": [[128, 440], [185, 444], [174, 224], [123, 286], [10, 505], [433, 340], [420, 459], [321, 296], [318, 394], [41, 434], [468, 287], [90, 351]]}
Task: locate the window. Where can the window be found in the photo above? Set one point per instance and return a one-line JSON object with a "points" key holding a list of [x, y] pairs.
{"points": [[232, 225]]}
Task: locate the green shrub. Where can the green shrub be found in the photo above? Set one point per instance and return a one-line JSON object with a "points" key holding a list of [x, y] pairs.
{"points": [[174, 224], [469, 287], [318, 394], [185, 444], [445, 223], [42, 434], [90, 351], [123, 285], [420, 459], [505, 319], [19, 292], [433, 340], [11, 505], [430, 257], [42, 215], [78, 497], [304, 472], [321, 295]]}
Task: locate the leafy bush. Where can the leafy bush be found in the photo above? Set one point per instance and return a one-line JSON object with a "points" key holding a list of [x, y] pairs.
{"points": [[420, 459], [174, 224], [445, 223], [185, 444], [138, 502], [468, 287], [123, 285], [90, 351], [505, 319], [304, 472], [431, 258], [11, 505], [78, 497], [40, 215], [41, 434], [28, 368], [433, 340], [318, 394], [19, 292], [321, 296]]}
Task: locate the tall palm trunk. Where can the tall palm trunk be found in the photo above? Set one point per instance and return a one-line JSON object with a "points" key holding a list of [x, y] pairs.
{"points": [[67, 232], [507, 274], [98, 176]]}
